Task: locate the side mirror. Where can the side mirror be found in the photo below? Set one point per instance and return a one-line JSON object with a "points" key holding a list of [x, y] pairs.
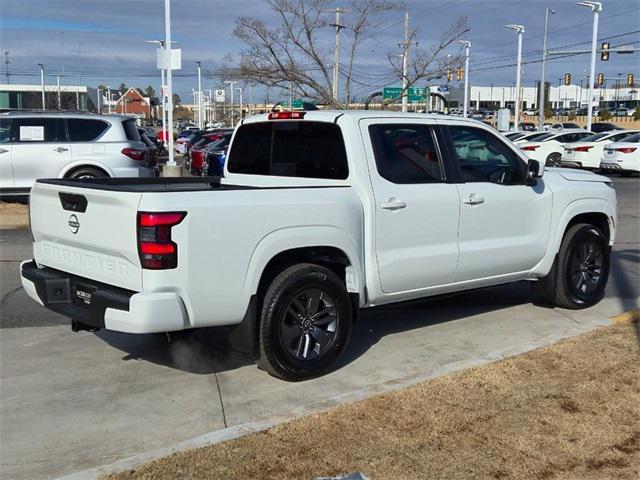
{"points": [[534, 170]]}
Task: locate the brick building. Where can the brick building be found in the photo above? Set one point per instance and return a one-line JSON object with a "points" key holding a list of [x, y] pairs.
{"points": [[134, 104]]}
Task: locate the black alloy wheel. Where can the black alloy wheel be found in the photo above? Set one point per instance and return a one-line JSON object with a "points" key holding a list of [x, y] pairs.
{"points": [[308, 324], [305, 322]]}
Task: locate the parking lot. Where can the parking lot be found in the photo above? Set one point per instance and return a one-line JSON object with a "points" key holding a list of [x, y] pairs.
{"points": [[73, 401]]}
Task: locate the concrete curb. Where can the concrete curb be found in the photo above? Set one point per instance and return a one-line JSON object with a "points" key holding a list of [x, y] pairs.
{"points": [[238, 431]]}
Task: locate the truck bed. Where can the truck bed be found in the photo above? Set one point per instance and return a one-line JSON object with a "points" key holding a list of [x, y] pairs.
{"points": [[142, 185]]}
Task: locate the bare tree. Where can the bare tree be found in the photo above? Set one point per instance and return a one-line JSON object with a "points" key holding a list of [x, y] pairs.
{"points": [[431, 63], [292, 51]]}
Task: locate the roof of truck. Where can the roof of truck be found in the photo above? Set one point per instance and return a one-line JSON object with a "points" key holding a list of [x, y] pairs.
{"points": [[356, 115]]}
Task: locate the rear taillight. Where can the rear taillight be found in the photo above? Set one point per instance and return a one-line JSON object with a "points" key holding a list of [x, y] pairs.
{"points": [[626, 149], [157, 250], [582, 149], [530, 148], [134, 153]]}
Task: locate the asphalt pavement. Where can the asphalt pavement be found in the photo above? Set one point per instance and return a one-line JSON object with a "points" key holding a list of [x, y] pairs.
{"points": [[73, 401]]}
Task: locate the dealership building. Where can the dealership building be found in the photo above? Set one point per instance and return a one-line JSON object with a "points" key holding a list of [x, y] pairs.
{"points": [[64, 97]]}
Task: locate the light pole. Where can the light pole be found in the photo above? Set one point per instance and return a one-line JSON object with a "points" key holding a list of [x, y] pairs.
{"points": [[199, 95], [59, 101], [42, 82], [240, 89], [596, 8], [467, 47], [168, 54], [162, 90], [231, 83], [108, 99], [519, 30], [541, 89]]}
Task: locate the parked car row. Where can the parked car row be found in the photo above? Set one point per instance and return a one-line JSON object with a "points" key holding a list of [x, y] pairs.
{"points": [[611, 150], [69, 145]]}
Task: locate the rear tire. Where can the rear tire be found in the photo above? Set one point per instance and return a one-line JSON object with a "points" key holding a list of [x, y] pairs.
{"points": [[305, 322], [87, 172], [580, 271]]}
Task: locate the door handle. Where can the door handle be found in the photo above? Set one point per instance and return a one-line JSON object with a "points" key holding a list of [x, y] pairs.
{"points": [[473, 199], [393, 204], [2, 150], [60, 149]]}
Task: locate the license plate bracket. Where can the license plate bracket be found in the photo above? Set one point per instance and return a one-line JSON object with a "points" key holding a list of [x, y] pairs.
{"points": [[84, 293]]}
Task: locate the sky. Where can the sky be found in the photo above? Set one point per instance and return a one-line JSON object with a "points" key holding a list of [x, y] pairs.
{"points": [[92, 42]]}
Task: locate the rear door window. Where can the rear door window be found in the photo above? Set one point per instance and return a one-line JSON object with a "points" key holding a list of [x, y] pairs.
{"points": [[38, 129], [5, 130], [85, 130], [289, 149], [406, 153]]}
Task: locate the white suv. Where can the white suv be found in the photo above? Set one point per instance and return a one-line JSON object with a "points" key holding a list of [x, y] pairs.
{"points": [[67, 145]]}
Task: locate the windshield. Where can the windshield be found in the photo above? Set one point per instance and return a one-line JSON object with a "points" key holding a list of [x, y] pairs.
{"points": [[219, 144], [538, 136], [632, 139]]}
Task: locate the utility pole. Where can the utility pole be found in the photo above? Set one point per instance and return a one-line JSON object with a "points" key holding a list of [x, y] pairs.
{"points": [[42, 82], [6, 64], [519, 30], [596, 8], [59, 102], [336, 59], [542, 74], [199, 95], [467, 47], [250, 112], [109, 100], [405, 63]]}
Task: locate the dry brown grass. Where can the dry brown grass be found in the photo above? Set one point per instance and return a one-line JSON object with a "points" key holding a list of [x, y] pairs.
{"points": [[568, 411], [14, 215]]}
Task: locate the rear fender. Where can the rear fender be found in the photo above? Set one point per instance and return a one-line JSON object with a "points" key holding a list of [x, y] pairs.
{"points": [[300, 237]]}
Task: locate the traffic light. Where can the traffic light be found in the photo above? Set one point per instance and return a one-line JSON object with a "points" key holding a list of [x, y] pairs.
{"points": [[449, 74], [567, 79], [604, 55], [630, 80], [459, 73], [600, 79]]}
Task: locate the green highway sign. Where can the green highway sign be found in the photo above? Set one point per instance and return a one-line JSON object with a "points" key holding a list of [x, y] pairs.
{"points": [[295, 103], [414, 94]]}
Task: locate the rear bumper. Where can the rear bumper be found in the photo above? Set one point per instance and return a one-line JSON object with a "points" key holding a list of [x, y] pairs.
{"points": [[610, 166], [109, 307]]}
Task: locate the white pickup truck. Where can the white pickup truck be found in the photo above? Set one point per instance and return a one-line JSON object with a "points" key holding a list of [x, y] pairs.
{"points": [[319, 214]]}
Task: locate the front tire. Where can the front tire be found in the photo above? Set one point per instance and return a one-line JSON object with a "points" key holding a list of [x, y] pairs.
{"points": [[305, 322], [553, 160], [580, 272]]}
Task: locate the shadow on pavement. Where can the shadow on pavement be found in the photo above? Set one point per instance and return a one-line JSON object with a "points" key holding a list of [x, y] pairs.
{"points": [[206, 350], [625, 279]]}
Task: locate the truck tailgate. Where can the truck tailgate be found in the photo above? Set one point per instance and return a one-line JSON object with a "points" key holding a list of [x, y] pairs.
{"points": [[88, 232]]}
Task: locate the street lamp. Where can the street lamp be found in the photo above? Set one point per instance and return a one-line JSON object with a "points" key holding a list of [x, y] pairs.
{"points": [[231, 83], [171, 163], [240, 90], [519, 30], [199, 94], [42, 82], [596, 8], [467, 46], [162, 90], [541, 89]]}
